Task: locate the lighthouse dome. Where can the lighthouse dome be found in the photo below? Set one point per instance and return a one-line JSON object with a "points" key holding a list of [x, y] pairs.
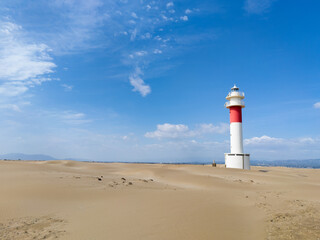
{"points": [[235, 98], [234, 88]]}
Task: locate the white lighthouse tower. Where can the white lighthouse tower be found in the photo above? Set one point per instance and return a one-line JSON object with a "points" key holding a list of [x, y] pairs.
{"points": [[236, 158]]}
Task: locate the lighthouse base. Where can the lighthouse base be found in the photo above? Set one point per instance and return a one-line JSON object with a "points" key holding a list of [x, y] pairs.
{"points": [[237, 160]]}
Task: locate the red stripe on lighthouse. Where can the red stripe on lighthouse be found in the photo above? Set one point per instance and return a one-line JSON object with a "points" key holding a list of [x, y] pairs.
{"points": [[235, 114]]}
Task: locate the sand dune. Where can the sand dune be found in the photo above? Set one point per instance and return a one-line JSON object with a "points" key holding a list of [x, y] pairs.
{"points": [[78, 200]]}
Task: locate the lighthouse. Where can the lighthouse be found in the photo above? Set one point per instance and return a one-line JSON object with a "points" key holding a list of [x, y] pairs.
{"points": [[236, 158]]}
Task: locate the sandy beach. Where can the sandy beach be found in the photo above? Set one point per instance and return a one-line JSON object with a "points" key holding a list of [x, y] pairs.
{"points": [[81, 200]]}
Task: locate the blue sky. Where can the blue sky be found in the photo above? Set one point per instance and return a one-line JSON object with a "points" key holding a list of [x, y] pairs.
{"points": [[138, 80]]}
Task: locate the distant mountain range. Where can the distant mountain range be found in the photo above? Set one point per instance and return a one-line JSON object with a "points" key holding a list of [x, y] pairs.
{"points": [[22, 156], [37, 157]]}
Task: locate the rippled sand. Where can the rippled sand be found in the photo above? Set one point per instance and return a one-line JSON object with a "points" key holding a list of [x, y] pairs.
{"points": [[78, 200]]}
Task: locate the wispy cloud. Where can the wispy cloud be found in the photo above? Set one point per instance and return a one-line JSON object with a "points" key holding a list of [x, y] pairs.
{"points": [[209, 128], [138, 25], [316, 105], [274, 142], [263, 140], [157, 51], [134, 15], [13, 89], [67, 87], [126, 29], [81, 20], [177, 131], [141, 53], [23, 64], [133, 34], [16, 107], [257, 6], [138, 84], [170, 4], [74, 118], [266, 147], [184, 18], [168, 130]]}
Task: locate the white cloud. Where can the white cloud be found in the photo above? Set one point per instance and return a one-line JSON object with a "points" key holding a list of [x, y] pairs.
{"points": [[73, 118], [21, 61], [22, 64], [316, 105], [157, 51], [266, 148], [188, 11], [133, 34], [146, 36], [307, 140], [134, 15], [184, 18], [257, 6], [263, 140], [170, 4], [138, 84], [175, 131], [69, 115], [80, 20], [12, 89], [138, 54], [81, 25], [67, 87], [164, 17], [13, 107], [118, 13], [266, 141], [210, 128], [169, 131], [127, 24], [141, 53]]}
